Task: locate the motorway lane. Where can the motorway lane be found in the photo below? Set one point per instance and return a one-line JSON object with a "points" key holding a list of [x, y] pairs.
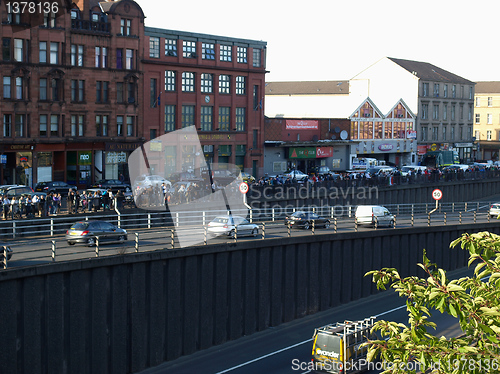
{"points": [[274, 350], [35, 251]]}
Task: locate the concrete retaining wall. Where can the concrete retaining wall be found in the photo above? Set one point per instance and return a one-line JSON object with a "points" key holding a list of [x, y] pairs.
{"points": [[122, 314]]}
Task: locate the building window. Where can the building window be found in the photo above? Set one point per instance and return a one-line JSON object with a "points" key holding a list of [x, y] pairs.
{"points": [[154, 47], [171, 47], [101, 125], [445, 90], [187, 115], [102, 92], [130, 126], [77, 125], [13, 17], [478, 102], [240, 85], [462, 94], [119, 125], [76, 55], [19, 126], [125, 26], [445, 112], [488, 135], [425, 89], [469, 116], [240, 119], [207, 82], [224, 84], [206, 119], [444, 133], [49, 20], [6, 52], [478, 118], [170, 80], [256, 58], [461, 111], [257, 103], [18, 50], [54, 125], [241, 55], [188, 49], [77, 90], [169, 118], [101, 57], [435, 112], [129, 62], [435, 130], [454, 91], [489, 119], [424, 133], [43, 125], [119, 58], [436, 89], [224, 118], [7, 89], [477, 134], [471, 94], [19, 88], [42, 54], [43, 89], [453, 107], [153, 97], [187, 82], [460, 133], [425, 111], [490, 101], [452, 133], [131, 92], [7, 125], [225, 53], [54, 53], [207, 51]]}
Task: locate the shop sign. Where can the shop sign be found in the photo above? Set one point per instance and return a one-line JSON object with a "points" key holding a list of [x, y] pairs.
{"points": [[421, 149], [3, 159], [85, 158], [385, 147], [322, 152], [434, 147], [23, 159], [155, 146], [116, 157], [302, 152], [122, 146], [301, 125], [463, 145]]}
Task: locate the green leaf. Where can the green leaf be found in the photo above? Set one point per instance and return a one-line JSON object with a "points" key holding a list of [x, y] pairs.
{"points": [[453, 311]]}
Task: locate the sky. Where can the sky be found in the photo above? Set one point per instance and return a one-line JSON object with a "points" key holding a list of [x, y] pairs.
{"points": [[320, 40]]}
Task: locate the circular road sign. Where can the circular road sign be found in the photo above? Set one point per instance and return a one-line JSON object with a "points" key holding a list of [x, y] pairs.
{"points": [[243, 187], [437, 194]]}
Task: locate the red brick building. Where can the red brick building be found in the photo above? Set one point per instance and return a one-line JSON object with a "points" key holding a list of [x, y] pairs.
{"points": [[213, 83], [70, 107]]}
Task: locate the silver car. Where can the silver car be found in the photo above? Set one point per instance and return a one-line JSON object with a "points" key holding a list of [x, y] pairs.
{"points": [[86, 232], [494, 210], [232, 226]]}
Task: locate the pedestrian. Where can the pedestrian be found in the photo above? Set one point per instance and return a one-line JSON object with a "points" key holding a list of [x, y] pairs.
{"points": [[34, 202], [69, 200], [6, 207], [97, 201], [76, 201]]}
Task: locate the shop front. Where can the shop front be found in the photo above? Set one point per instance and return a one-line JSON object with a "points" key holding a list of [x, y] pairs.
{"points": [[17, 164], [397, 152], [114, 161]]}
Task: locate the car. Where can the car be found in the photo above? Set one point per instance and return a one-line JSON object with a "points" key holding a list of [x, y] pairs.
{"points": [[306, 220], [113, 184], [145, 181], [55, 187], [232, 226], [297, 174], [86, 232], [246, 177], [373, 215], [14, 190], [414, 169], [494, 210], [321, 170], [380, 170]]}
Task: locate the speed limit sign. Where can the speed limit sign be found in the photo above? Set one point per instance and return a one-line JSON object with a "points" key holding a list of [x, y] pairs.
{"points": [[437, 194], [243, 187]]}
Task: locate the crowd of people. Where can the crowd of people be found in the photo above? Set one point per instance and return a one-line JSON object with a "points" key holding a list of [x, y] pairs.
{"points": [[52, 204]]}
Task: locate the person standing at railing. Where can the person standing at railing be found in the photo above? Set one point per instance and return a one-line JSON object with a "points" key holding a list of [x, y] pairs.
{"points": [[69, 200], [6, 207], [76, 201]]}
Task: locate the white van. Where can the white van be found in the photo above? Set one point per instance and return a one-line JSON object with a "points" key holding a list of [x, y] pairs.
{"points": [[371, 214]]}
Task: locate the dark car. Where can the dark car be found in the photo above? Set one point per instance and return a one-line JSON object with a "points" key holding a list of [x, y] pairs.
{"points": [[86, 232], [55, 187], [13, 190], [113, 184], [305, 220]]}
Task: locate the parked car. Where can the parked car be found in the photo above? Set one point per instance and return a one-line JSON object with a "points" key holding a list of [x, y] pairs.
{"points": [[232, 226], [55, 187], [248, 178], [14, 190], [494, 210], [373, 214], [414, 169], [145, 181], [113, 184], [86, 232], [297, 174], [306, 220]]}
